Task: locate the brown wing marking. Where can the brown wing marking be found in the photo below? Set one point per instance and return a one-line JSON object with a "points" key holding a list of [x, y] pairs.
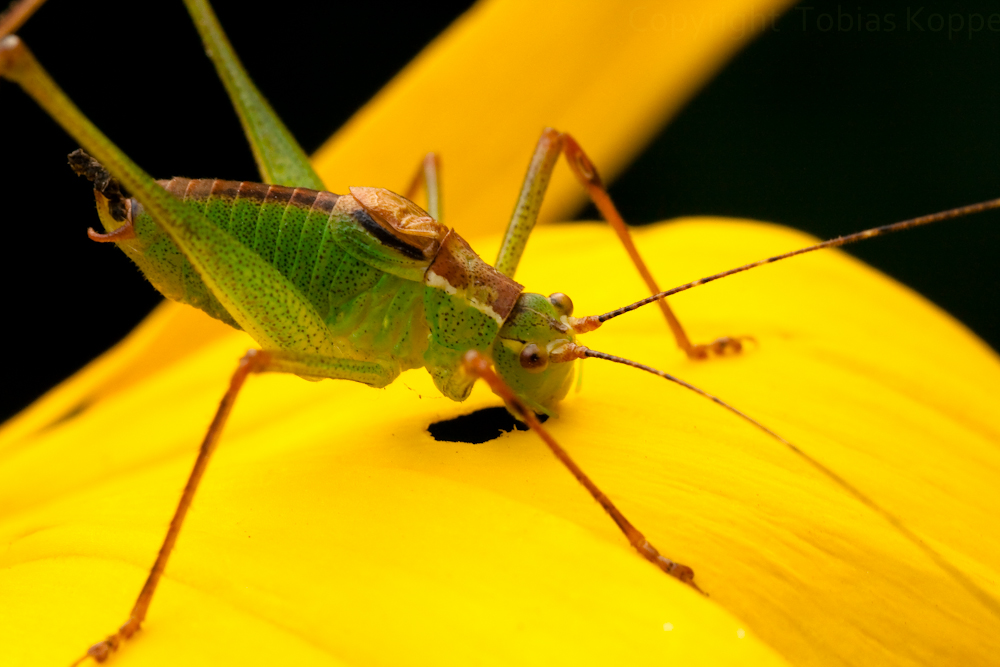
{"points": [[402, 218]]}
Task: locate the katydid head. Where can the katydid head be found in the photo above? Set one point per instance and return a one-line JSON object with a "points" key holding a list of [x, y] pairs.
{"points": [[527, 354]]}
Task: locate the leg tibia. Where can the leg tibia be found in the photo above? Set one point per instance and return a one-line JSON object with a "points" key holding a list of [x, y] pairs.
{"points": [[536, 180], [478, 366], [255, 361]]}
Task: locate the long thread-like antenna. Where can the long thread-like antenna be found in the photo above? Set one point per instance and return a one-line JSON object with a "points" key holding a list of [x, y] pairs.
{"points": [[587, 352], [981, 594], [593, 321]]}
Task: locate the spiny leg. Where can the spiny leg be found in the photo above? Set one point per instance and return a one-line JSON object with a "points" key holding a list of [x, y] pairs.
{"points": [[254, 361], [477, 365], [536, 180], [429, 176], [529, 202]]}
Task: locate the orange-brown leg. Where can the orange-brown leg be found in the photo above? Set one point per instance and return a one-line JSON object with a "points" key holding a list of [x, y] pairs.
{"points": [[255, 361], [550, 145], [585, 171], [16, 14], [477, 365]]}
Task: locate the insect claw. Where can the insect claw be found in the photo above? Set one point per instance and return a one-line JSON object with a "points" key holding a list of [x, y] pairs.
{"points": [[686, 576], [682, 573], [100, 651], [698, 352], [720, 347]]}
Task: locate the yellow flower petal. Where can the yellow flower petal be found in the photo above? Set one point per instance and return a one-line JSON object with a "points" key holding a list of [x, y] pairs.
{"points": [[332, 528], [325, 534]]}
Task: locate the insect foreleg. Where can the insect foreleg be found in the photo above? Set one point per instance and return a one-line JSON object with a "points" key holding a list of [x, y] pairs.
{"points": [[475, 364], [529, 202], [536, 180]]}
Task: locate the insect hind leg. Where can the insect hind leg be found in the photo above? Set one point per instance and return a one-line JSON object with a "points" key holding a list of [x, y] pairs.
{"points": [[254, 361]]}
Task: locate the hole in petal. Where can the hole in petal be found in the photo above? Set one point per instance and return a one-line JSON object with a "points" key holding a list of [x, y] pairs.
{"points": [[478, 427]]}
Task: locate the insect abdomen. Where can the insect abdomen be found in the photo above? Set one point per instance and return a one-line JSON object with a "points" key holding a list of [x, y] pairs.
{"points": [[372, 313]]}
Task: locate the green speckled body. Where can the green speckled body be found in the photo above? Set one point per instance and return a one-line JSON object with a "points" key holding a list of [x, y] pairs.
{"points": [[368, 289]]}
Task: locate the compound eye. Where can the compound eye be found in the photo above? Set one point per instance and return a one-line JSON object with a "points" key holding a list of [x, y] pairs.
{"points": [[533, 358], [562, 303]]}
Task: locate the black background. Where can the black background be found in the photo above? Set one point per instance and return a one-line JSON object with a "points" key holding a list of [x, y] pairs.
{"points": [[830, 131]]}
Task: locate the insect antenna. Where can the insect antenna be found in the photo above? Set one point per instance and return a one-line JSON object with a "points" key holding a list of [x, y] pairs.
{"points": [[476, 365], [591, 322], [574, 351]]}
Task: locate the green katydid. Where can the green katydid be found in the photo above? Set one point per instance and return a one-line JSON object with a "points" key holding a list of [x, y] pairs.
{"points": [[406, 246]]}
